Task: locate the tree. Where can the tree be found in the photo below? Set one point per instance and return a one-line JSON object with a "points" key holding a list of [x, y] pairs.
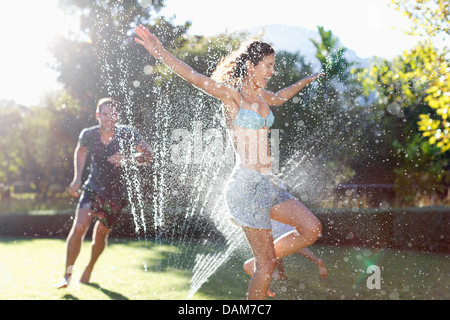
{"points": [[432, 23], [401, 89], [324, 128], [331, 55], [430, 17], [101, 58], [11, 121], [39, 142], [435, 124]]}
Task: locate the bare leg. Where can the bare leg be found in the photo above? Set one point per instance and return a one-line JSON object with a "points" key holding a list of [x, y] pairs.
{"points": [[279, 273], [261, 242], [308, 229], [99, 242], [83, 218], [318, 262]]}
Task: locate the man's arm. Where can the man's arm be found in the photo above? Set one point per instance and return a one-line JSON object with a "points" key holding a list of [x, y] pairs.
{"points": [[79, 159], [143, 155]]}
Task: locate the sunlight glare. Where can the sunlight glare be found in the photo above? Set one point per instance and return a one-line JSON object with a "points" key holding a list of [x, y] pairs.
{"points": [[27, 27]]}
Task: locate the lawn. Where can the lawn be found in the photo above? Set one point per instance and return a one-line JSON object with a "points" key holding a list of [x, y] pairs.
{"points": [[141, 270]]}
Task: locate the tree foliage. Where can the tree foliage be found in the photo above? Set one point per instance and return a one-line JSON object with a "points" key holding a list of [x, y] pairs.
{"points": [[400, 90], [101, 58], [430, 21], [430, 17], [39, 141], [11, 121], [435, 124]]}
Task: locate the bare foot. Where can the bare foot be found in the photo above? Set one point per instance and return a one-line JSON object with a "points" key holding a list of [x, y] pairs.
{"points": [[86, 276], [322, 269], [249, 266], [271, 294]]}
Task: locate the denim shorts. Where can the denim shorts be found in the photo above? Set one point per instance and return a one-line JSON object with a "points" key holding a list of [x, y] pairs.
{"points": [[279, 229], [250, 195]]}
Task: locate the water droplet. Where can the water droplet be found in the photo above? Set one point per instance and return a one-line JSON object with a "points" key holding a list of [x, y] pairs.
{"points": [[148, 69], [145, 3], [394, 295]]}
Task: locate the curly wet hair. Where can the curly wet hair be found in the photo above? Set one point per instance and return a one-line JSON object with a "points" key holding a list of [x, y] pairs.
{"points": [[232, 69]]}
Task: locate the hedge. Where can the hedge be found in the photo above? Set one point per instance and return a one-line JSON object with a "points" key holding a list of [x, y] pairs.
{"points": [[424, 229]]}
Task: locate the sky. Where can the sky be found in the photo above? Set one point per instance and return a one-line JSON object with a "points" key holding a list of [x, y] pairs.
{"points": [[368, 27]]}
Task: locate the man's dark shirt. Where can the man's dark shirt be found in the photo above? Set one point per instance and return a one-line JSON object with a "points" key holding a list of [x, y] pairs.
{"points": [[105, 178]]}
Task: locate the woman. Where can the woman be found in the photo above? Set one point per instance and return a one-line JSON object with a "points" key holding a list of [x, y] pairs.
{"points": [[254, 195]]}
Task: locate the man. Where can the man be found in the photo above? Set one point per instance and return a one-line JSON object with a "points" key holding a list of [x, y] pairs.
{"points": [[110, 146]]}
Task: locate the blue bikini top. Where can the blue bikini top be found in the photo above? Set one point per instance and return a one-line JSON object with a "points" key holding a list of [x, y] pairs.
{"points": [[250, 119]]}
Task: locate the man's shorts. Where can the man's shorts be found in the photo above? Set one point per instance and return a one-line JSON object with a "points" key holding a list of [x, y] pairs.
{"points": [[250, 195], [107, 211]]}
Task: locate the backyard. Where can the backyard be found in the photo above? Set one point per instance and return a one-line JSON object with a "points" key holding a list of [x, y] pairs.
{"points": [[365, 146], [142, 270]]}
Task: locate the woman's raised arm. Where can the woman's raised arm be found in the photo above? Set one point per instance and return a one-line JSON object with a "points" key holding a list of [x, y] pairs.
{"points": [[152, 44], [277, 99]]}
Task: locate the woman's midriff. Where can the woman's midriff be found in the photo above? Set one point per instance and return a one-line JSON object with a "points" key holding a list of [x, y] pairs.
{"points": [[252, 148]]}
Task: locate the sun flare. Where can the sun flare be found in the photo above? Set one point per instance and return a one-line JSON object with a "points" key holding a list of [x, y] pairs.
{"points": [[27, 28]]}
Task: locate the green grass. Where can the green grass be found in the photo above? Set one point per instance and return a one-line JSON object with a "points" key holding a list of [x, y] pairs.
{"points": [[135, 270]]}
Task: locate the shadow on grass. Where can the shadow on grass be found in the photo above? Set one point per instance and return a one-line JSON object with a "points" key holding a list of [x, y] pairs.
{"points": [[174, 255], [405, 275], [111, 294], [230, 282]]}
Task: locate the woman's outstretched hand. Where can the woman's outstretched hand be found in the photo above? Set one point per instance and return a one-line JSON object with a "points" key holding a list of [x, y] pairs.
{"points": [[150, 42], [318, 75]]}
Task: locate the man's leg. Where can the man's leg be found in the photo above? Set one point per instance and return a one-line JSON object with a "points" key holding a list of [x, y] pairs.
{"points": [[99, 242], [83, 218]]}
